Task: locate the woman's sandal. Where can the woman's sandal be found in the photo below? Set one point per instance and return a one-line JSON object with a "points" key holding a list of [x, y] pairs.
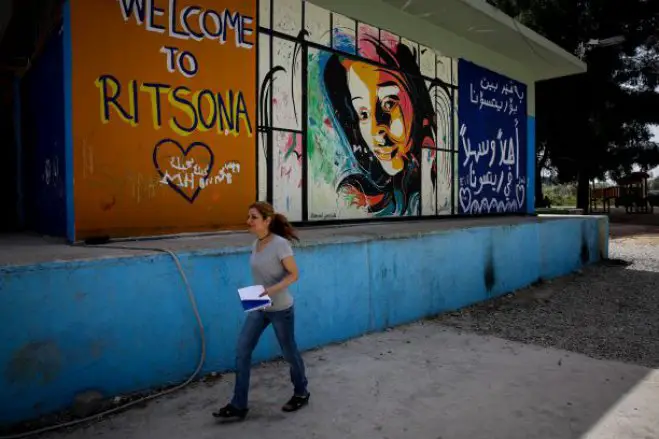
{"points": [[296, 403], [230, 412]]}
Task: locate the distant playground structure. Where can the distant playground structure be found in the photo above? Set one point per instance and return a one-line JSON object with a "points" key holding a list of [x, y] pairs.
{"points": [[630, 191]]}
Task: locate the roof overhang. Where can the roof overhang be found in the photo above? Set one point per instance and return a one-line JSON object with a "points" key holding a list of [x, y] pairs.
{"points": [[483, 24], [469, 27]]}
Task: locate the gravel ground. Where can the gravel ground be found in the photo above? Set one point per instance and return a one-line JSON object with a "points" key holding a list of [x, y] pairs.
{"points": [[607, 311]]}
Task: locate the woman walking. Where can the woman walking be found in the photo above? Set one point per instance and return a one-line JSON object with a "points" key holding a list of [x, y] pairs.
{"points": [[273, 266]]}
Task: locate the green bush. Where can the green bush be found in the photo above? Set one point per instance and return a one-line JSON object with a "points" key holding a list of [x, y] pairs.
{"points": [[564, 195]]}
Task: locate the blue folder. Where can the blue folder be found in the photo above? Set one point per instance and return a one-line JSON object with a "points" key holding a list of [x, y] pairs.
{"points": [[251, 300], [255, 305]]}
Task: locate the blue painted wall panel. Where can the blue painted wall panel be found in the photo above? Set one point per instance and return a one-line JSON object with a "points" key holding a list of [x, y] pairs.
{"points": [[466, 268], [402, 277], [43, 141], [333, 293], [98, 322], [530, 173], [492, 141], [516, 257], [561, 244], [217, 278], [121, 325], [67, 78], [590, 237]]}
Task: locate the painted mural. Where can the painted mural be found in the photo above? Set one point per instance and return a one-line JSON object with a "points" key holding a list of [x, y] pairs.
{"points": [[198, 107], [373, 111], [492, 142], [164, 114]]}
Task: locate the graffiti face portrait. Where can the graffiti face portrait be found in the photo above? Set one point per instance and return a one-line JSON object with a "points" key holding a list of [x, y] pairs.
{"points": [[386, 114], [381, 100], [379, 114]]}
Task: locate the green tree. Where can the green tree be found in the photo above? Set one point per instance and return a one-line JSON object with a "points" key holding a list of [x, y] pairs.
{"points": [[654, 184], [596, 123]]}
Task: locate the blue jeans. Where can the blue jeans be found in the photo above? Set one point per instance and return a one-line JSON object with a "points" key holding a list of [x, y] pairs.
{"points": [[283, 323]]}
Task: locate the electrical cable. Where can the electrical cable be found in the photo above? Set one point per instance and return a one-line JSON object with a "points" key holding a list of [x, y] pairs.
{"points": [[202, 358], [195, 309]]}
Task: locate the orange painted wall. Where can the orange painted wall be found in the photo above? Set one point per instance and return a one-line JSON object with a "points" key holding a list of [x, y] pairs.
{"points": [[138, 171]]}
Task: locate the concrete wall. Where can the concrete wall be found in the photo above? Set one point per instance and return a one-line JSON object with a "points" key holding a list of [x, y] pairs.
{"points": [[121, 325]]}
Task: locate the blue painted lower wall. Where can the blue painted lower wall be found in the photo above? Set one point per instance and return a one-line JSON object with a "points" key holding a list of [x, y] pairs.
{"points": [[122, 325]]}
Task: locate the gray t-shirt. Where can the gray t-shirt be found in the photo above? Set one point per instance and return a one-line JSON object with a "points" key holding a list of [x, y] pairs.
{"points": [[268, 270]]}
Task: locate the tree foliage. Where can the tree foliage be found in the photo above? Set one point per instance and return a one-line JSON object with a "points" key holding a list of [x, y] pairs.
{"points": [[653, 184], [596, 124]]}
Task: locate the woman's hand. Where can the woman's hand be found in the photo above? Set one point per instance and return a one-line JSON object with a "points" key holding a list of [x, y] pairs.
{"points": [[292, 276]]}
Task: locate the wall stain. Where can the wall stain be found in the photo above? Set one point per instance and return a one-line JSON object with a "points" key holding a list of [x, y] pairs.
{"points": [[585, 251], [383, 272], [489, 274], [108, 205], [38, 361]]}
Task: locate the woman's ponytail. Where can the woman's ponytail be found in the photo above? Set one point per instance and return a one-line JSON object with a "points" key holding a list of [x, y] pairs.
{"points": [[282, 227]]}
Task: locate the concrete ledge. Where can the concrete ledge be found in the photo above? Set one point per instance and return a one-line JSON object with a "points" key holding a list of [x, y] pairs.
{"points": [[34, 252], [559, 211], [123, 324]]}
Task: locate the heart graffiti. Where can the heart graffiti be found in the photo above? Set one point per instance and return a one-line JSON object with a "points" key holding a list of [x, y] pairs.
{"points": [[465, 199], [520, 194], [183, 161]]}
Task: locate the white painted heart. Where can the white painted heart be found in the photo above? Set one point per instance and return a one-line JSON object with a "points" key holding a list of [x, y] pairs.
{"points": [[520, 192], [465, 199]]}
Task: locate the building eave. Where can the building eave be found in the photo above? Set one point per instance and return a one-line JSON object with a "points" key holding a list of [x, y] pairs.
{"points": [[468, 29], [563, 62]]}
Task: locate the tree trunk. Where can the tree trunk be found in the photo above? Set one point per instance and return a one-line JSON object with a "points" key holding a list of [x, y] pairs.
{"points": [[539, 166], [538, 185], [583, 192]]}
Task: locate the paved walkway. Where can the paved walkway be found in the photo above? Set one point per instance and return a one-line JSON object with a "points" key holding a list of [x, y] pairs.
{"points": [[424, 381]]}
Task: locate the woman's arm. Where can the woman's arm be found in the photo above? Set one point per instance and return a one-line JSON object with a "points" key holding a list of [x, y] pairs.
{"points": [[291, 267]]}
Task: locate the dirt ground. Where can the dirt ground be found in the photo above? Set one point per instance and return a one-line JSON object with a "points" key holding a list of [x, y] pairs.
{"points": [[421, 381], [644, 227]]}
